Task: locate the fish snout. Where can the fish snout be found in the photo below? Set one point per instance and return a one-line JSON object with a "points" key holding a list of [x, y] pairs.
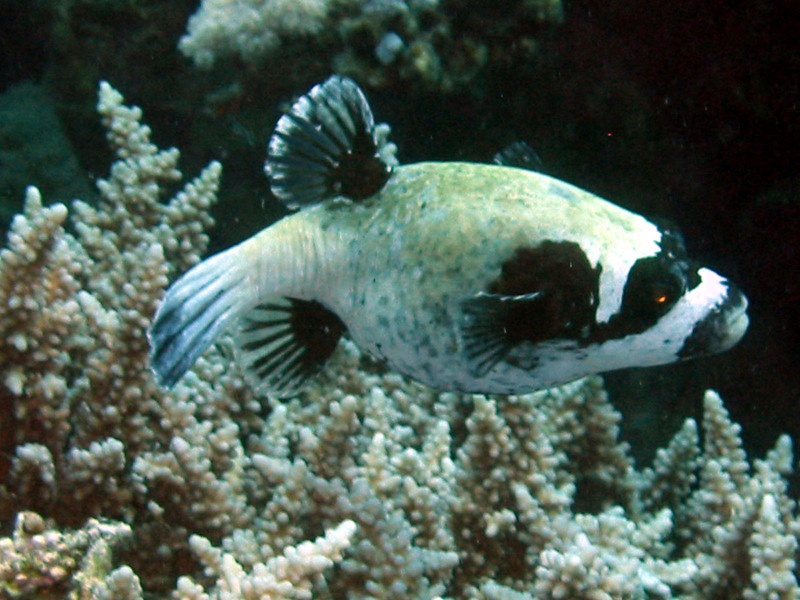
{"points": [[721, 328]]}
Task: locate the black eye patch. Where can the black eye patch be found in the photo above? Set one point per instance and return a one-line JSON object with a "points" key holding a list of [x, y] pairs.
{"points": [[654, 285]]}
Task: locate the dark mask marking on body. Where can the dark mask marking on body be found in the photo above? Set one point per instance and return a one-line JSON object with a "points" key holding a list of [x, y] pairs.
{"points": [[545, 292]]}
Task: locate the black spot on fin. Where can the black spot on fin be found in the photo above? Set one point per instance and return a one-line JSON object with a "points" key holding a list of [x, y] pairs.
{"points": [[281, 344], [495, 324], [520, 155], [328, 145]]}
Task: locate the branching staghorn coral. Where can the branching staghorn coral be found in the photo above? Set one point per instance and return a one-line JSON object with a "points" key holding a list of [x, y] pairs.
{"points": [[76, 305], [78, 287], [365, 486]]}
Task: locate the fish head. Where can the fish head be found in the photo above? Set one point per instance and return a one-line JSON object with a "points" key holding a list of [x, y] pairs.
{"points": [[563, 310], [670, 309]]}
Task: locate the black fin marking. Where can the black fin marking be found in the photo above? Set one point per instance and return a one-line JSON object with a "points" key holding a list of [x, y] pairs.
{"points": [[328, 145], [520, 155], [196, 309], [281, 344], [495, 325]]}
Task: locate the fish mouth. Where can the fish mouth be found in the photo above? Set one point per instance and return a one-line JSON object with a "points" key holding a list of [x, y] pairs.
{"points": [[721, 329], [737, 323]]}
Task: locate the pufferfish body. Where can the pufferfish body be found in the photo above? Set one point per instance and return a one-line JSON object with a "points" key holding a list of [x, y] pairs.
{"points": [[487, 278]]}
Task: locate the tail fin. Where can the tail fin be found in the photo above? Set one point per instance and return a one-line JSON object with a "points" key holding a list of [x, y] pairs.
{"points": [[197, 308]]}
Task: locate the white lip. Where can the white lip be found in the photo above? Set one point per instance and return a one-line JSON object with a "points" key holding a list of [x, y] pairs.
{"points": [[737, 326]]}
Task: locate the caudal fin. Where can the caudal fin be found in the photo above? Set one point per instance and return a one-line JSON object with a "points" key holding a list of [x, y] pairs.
{"points": [[197, 308]]}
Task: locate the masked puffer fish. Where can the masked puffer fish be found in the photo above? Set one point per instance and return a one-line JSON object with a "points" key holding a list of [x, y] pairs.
{"points": [[486, 278]]}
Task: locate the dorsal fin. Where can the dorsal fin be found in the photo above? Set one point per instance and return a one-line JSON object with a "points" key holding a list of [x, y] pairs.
{"points": [[328, 145], [520, 155], [281, 343]]}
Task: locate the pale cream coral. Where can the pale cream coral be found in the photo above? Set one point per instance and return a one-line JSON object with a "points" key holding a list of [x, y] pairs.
{"points": [[287, 576], [249, 28], [78, 287]]}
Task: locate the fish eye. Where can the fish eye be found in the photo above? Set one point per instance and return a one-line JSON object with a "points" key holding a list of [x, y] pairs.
{"points": [[665, 291], [654, 286]]}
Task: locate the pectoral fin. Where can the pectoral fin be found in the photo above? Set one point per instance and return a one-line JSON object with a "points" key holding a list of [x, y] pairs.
{"points": [[282, 343], [495, 324]]}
